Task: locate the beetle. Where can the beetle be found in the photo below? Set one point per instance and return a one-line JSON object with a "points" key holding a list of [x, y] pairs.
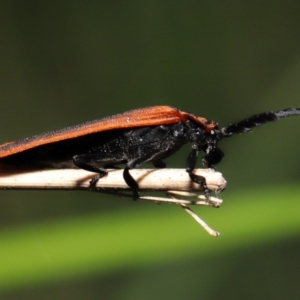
{"points": [[132, 138]]}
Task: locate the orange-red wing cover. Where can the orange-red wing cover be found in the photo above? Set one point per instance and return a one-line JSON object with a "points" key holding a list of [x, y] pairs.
{"points": [[149, 116]]}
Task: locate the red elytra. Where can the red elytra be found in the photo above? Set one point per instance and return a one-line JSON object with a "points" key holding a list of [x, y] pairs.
{"points": [[148, 116]]}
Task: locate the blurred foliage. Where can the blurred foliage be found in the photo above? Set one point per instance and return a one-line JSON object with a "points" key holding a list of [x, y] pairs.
{"points": [[50, 253], [66, 62]]}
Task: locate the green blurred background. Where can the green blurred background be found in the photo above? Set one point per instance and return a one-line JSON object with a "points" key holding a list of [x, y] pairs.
{"points": [[66, 62]]}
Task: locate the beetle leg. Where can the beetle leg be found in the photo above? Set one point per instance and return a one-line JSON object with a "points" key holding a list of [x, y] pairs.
{"points": [[202, 181], [129, 179], [131, 183], [213, 158], [190, 166], [135, 163], [83, 162]]}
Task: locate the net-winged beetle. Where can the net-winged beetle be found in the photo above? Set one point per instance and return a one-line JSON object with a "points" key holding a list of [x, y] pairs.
{"points": [[132, 138]]}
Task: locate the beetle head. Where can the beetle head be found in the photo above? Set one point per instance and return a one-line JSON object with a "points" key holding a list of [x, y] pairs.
{"points": [[205, 137]]}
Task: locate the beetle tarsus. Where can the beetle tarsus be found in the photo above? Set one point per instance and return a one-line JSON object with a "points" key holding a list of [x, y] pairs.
{"points": [[83, 162], [202, 181], [94, 180]]}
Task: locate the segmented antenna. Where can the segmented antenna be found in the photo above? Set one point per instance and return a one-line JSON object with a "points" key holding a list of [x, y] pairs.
{"points": [[257, 120]]}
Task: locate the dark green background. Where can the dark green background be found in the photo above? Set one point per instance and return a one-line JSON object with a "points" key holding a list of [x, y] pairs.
{"points": [[66, 62]]}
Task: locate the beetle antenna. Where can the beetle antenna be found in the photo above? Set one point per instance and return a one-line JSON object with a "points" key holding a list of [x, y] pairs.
{"points": [[257, 120]]}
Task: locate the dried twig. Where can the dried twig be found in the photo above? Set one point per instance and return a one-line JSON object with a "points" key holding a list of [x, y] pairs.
{"points": [[148, 179], [175, 182]]}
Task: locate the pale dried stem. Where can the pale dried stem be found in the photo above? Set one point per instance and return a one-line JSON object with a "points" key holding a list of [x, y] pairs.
{"points": [[174, 182]]}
